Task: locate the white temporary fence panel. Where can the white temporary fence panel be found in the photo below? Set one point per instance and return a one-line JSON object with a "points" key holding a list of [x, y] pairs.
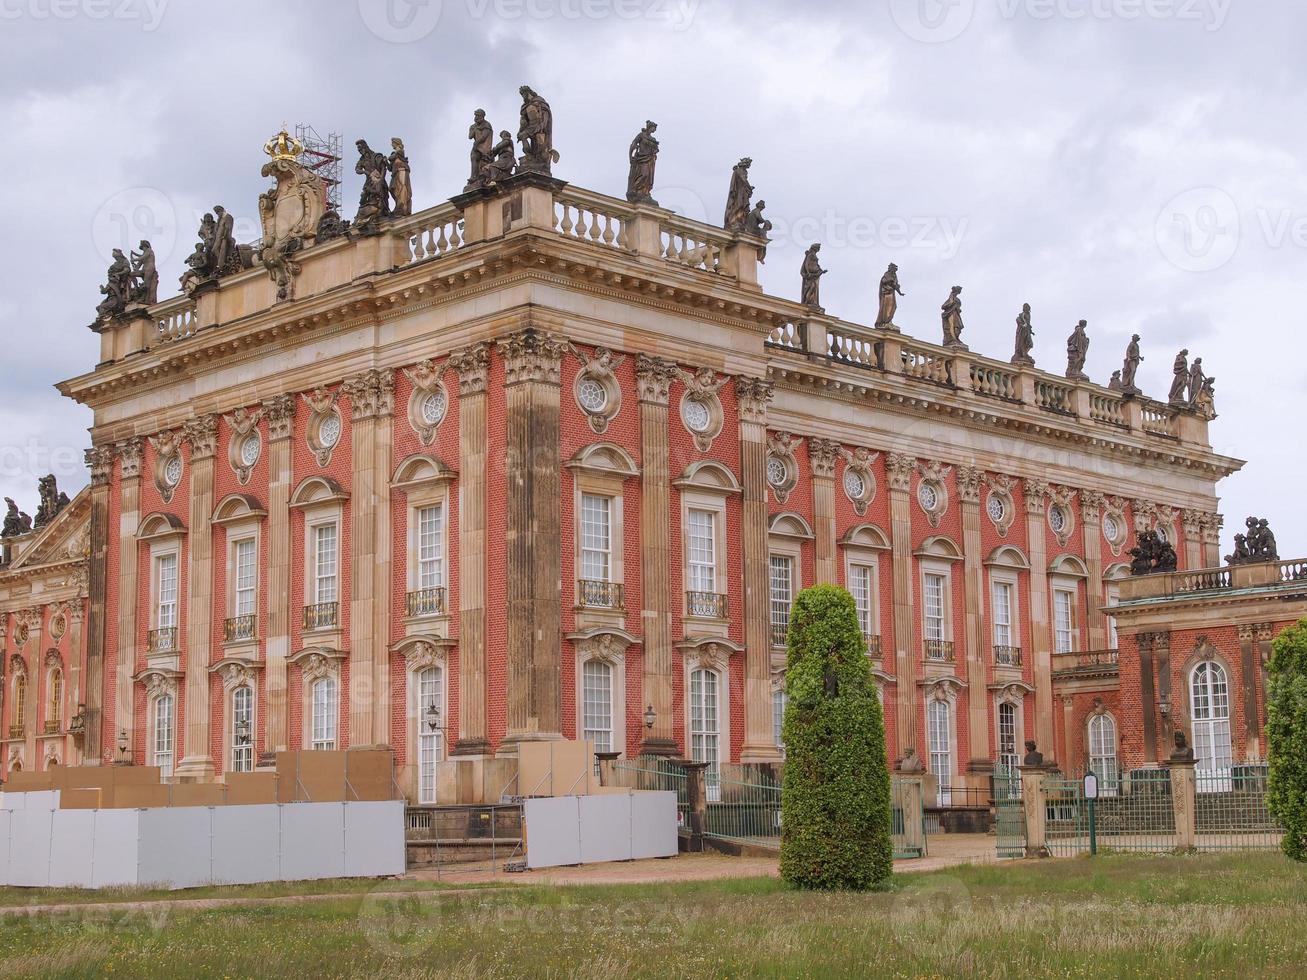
{"points": [[609, 827], [180, 847], [246, 843]]}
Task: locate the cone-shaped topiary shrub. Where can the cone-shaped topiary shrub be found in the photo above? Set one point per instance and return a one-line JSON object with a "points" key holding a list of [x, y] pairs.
{"points": [[835, 800], [1286, 737]]}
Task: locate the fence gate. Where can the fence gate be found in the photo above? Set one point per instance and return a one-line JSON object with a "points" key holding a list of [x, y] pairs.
{"points": [[1009, 814]]}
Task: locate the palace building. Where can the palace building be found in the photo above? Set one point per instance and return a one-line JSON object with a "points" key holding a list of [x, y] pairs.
{"points": [[539, 463]]}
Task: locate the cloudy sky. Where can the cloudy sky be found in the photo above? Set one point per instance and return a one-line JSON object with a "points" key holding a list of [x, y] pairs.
{"points": [[1137, 163]]}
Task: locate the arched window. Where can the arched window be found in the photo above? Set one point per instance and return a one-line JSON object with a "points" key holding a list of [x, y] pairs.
{"points": [[597, 704], [1102, 753], [431, 694], [778, 716], [54, 708], [18, 717], [705, 726], [1209, 705], [1007, 736], [939, 725], [162, 754], [242, 729], [325, 708]]}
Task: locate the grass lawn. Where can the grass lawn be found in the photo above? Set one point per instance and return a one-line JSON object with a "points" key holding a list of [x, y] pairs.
{"points": [[1110, 916]]}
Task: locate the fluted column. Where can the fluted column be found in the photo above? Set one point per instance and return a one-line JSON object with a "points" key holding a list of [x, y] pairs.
{"points": [[532, 367], [974, 633], [129, 520], [280, 415], [1041, 640], [1091, 514], [900, 468], [76, 612], [752, 396], [822, 454], [197, 760], [654, 377], [1211, 530], [100, 460], [472, 365], [371, 396], [30, 650]]}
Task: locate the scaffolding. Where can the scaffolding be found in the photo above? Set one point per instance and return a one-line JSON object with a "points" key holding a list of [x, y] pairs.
{"points": [[322, 155]]}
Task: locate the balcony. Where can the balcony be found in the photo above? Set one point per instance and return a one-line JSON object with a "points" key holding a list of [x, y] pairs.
{"points": [[780, 634], [1266, 576], [705, 605], [17, 731], [1005, 656], [597, 594], [1085, 663], [240, 629], [873, 645], [51, 727], [162, 640], [939, 651], [425, 602], [322, 616]]}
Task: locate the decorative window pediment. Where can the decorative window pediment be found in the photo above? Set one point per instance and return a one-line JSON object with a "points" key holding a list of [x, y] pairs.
{"points": [[604, 459], [422, 473], [708, 476], [318, 490], [939, 547], [160, 527], [790, 525], [1008, 556], [423, 651], [238, 508], [1068, 565], [866, 536], [708, 652]]}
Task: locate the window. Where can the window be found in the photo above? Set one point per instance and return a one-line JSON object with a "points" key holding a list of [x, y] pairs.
{"points": [[596, 538], [1007, 736], [325, 705], [936, 588], [703, 551], [1102, 752], [242, 729], [431, 693], [165, 571], [939, 723], [325, 563], [1113, 597], [163, 735], [18, 720], [1209, 701], [431, 547], [597, 704], [862, 584], [705, 730], [782, 597], [1002, 602], [244, 555], [1064, 604], [778, 716], [55, 707]]}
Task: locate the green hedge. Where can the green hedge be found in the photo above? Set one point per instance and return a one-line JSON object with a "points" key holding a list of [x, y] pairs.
{"points": [[1286, 736], [835, 800]]}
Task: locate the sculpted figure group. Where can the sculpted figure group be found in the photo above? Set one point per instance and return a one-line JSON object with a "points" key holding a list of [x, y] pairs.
{"points": [[1256, 546], [129, 281]]}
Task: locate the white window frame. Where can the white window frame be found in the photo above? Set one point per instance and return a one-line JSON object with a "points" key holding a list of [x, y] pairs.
{"points": [[313, 566], [592, 547], [868, 613], [158, 558], [1211, 720], [780, 603], [598, 727], [163, 737], [941, 759], [430, 746], [235, 545], [697, 739], [242, 756], [328, 738], [1105, 765], [1017, 705], [1113, 597], [703, 576], [617, 662], [779, 700], [600, 483], [1066, 638], [945, 571], [1008, 581], [54, 706], [429, 556]]}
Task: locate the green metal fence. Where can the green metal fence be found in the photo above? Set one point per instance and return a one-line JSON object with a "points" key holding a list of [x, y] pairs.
{"points": [[747, 811], [1230, 812], [648, 772], [905, 808], [1009, 813], [1134, 815]]}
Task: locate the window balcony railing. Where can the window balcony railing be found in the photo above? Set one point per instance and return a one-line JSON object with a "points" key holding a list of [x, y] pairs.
{"points": [[52, 727], [597, 594], [425, 602], [939, 651], [1088, 663], [240, 628], [780, 634], [1005, 656], [322, 615], [162, 640], [710, 605], [873, 645], [17, 731]]}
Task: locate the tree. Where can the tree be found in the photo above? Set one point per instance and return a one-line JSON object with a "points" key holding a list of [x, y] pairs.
{"points": [[835, 799], [1286, 737]]}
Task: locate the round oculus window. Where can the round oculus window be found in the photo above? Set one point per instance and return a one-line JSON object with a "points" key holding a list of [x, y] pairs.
{"points": [[592, 396], [172, 471], [1057, 520], [778, 474], [1111, 528], [928, 496], [329, 431], [250, 450], [854, 485], [696, 415], [433, 407], [996, 507]]}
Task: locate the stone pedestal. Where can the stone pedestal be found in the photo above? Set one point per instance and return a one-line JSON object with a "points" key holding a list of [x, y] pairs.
{"points": [[1184, 800], [1034, 800]]}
